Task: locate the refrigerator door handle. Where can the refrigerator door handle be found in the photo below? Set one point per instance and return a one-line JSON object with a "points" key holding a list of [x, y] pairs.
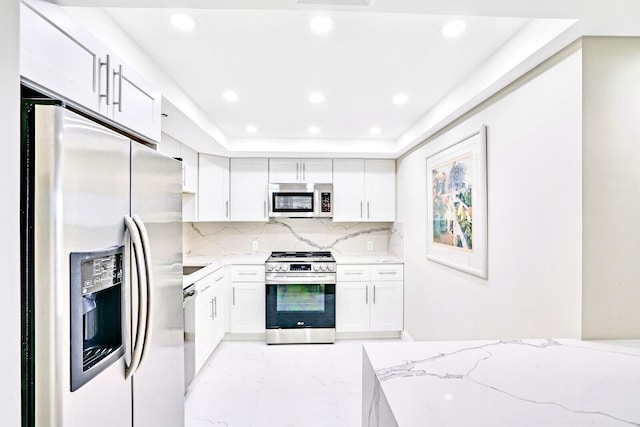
{"points": [[136, 352], [146, 249]]}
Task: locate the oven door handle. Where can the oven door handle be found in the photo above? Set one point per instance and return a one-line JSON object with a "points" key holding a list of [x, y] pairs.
{"points": [[284, 279]]}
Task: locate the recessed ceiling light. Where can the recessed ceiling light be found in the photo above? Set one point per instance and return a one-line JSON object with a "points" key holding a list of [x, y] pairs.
{"points": [[400, 98], [375, 131], [316, 97], [230, 96], [314, 129], [321, 24], [251, 129], [454, 28], [183, 22]]}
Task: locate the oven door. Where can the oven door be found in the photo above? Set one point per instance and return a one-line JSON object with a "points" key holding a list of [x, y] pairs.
{"points": [[300, 305]]}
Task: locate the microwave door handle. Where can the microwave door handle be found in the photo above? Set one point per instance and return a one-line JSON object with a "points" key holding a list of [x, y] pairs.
{"points": [[136, 351], [146, 249]]}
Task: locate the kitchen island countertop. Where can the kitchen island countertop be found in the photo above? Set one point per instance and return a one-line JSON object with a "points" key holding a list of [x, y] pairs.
{"points": [[537, 382]]}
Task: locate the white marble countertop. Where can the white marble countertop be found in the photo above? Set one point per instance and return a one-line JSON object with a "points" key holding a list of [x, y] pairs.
{"points": [[211, 263], [367, 259], [502, 383]]}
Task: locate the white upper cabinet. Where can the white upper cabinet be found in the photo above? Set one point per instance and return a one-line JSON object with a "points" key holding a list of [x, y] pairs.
{"points": [[190, 169], [59, 56], [174, 148], [364, 190], [63, 61], [133, 102], [380, 190], [249, 180], [213, 188], [169, 146], [316, 171]]}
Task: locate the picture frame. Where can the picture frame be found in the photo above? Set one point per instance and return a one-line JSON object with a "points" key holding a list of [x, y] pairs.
{"points": [[457, 205]]}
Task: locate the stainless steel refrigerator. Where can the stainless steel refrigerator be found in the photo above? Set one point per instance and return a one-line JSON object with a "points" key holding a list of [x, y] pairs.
{"points": [[101, 276]]}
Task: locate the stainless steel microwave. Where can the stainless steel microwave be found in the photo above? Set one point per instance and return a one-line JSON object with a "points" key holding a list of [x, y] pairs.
{"points": [[301, 200]]}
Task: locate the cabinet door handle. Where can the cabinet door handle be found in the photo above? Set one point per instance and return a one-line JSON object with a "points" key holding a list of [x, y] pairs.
{"points": [[202, 290], [304, 171], [368, 211], [226, 208], [233, 294], [366, 295], [215, 307], [354, 273], [219, 278], [119, 74], [361, 212], [211, 315], [107, 65], [388, 272], [374, 294], [297, 172], [264, 208], [184, 176]]}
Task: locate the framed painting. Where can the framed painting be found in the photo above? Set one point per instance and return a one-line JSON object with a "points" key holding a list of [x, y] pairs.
{"points": [[457, 205]]}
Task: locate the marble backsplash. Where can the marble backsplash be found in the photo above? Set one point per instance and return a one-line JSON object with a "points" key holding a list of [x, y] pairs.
{"points": [[220, 238]]}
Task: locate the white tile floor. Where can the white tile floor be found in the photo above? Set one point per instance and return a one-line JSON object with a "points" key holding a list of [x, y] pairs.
{"points": [[252, 384]]}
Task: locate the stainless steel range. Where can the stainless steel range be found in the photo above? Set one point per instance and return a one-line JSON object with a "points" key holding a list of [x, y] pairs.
{"points": [[300, 298]]}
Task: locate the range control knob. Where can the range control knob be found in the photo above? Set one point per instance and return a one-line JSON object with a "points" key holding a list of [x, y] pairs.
{"points": [[278, 267], [331, 267], [316, 267], [323, 267], [269, 267]]}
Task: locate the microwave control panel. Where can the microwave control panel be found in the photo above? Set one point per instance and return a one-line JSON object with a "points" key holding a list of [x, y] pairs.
{"points": [[325, 202]]}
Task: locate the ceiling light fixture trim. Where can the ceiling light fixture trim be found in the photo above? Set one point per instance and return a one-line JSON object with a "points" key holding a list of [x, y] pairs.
{"points": [[316, 97], [454, 28], [400, 98], [230, 96], [321, 24], [183, 21]]}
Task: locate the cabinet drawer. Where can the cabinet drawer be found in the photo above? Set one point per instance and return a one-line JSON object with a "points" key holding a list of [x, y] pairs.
{"points": [[247, 273], [387, 272], [210, 281], [353, 273]]}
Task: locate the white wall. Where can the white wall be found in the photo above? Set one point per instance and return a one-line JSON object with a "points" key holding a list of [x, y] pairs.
{"points": [[534, 232], [611, 162], [9, 215]]}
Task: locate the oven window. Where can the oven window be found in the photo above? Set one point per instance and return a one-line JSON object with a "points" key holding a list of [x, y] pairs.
{"points": [[299, 298], [293, 202]]}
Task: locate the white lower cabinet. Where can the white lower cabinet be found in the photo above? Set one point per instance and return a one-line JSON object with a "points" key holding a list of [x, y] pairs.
{"points": [[369, 298], [210, 315], [247, 299]]}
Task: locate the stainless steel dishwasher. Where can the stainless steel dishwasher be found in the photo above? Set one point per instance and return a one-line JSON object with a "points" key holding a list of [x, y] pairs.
{"points": [[189, 312]]}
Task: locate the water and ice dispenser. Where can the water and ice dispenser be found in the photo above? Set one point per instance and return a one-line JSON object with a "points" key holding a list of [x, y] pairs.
{"points": [[97, 286]]}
